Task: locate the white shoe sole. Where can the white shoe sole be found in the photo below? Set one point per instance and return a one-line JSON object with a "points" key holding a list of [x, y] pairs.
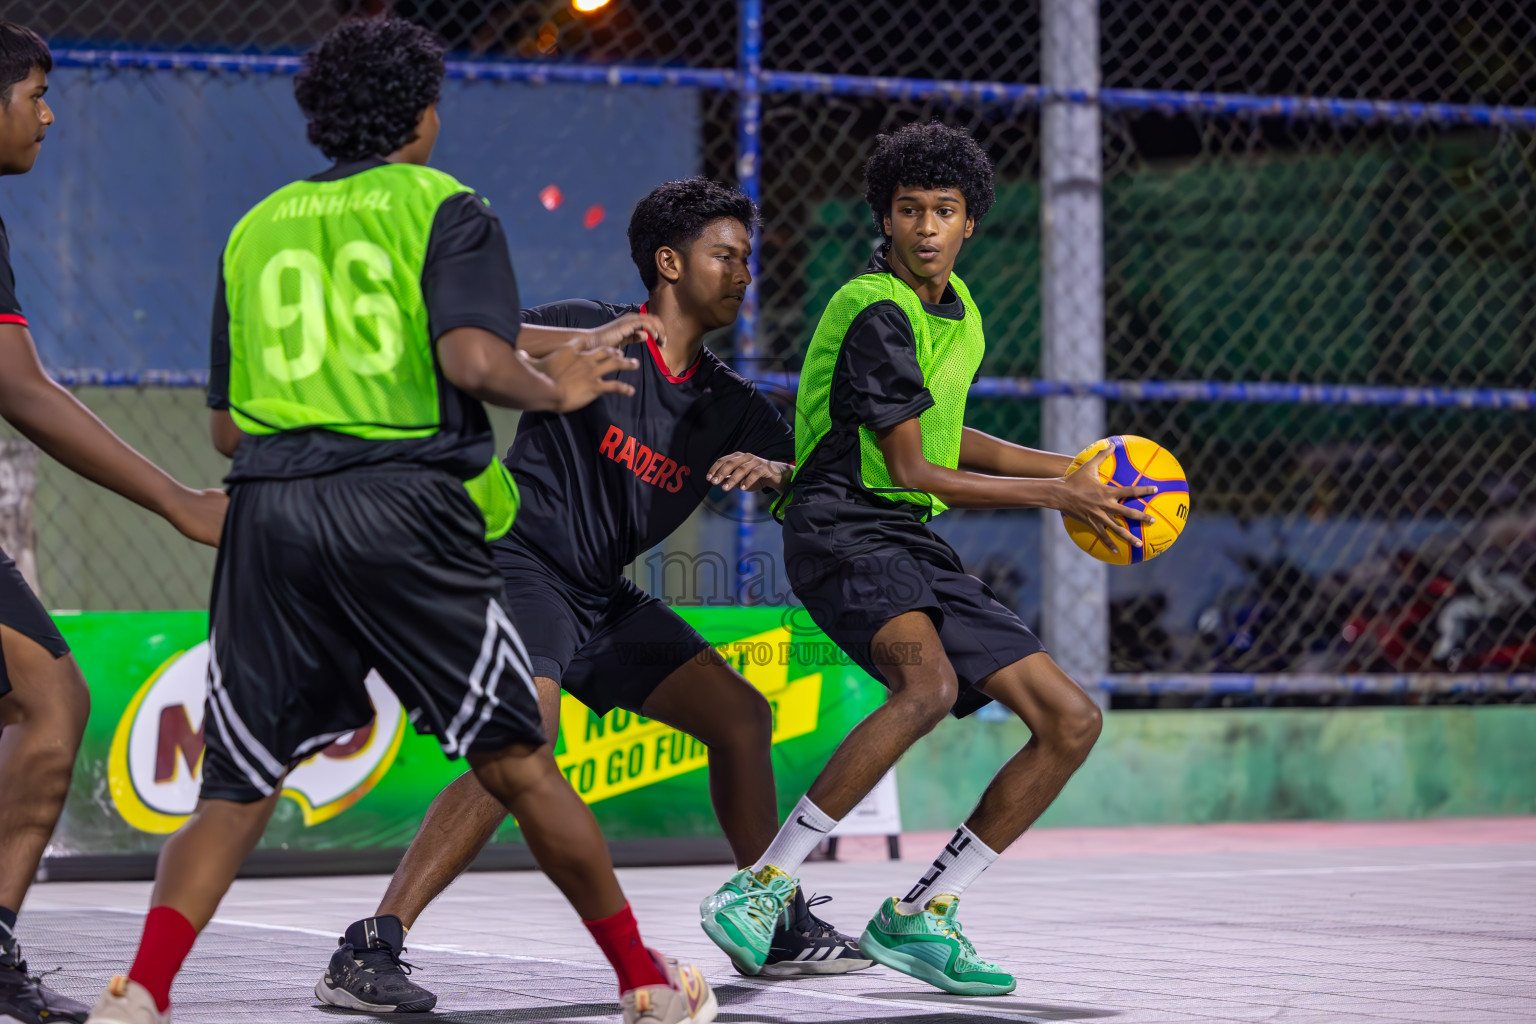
{"points": [[815, 968], [341, 997]]}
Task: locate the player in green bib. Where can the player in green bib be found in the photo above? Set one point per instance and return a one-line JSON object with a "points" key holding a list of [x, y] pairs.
{"points": [[881, 448], [362, 316]]}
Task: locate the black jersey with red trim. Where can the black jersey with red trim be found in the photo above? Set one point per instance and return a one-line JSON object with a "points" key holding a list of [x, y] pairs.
{"points": [[603, 484], [10, 308]]}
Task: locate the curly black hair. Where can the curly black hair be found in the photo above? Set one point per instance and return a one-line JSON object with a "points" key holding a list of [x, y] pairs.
{"points": [[931, 155], [363, 87], [21, 50], [675, 214]]}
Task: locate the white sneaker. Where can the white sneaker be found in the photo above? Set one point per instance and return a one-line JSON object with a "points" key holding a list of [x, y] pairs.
{"points": [[126, 1002]]}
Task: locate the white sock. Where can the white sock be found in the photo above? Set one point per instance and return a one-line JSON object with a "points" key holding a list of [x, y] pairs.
{"points": [[803, 831], [963, 860]]}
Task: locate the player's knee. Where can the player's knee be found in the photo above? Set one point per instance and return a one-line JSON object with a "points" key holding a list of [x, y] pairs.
{"points": [[742, 721], [53, 711], [926, 702], [50, 762], [1079, 728], [755, 716], [74, 706]]}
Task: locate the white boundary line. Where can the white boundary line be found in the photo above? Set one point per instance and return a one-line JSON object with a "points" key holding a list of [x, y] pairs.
{"points": [[928, 1006]]}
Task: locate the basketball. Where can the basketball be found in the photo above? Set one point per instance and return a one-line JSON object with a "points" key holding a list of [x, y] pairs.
{"points": [[1134, 462]]}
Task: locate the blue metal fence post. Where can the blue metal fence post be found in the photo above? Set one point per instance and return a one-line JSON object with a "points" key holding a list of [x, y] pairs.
{"points": [[748, 177]]}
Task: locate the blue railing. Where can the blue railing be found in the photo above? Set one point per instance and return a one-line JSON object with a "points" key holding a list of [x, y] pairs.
{"points": [[1271, 392], [750, 81]]}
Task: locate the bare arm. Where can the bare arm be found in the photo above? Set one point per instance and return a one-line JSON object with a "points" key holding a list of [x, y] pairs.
{"points": [[58, 423], [226, 435], [539, 341], [983, 453], [568, 378], [1080, 495]]}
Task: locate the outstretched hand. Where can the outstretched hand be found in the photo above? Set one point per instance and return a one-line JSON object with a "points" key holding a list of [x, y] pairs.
{"points": [[1088, 500], [580, 374], [750, 473], [627, 328]]}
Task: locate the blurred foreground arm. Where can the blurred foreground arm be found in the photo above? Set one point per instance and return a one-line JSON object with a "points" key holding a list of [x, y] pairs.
{"points": [[58, 423], [569, 377], [539, 340]]}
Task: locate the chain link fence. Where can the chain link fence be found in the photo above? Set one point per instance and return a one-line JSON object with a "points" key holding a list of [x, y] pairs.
{"points": [[1256, 231]]}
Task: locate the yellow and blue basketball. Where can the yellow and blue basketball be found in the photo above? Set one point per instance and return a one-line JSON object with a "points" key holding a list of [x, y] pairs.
{"points": [[1136, 462]]}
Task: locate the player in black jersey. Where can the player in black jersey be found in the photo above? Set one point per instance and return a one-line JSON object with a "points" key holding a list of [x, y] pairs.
{"points": [[43, 697], [600, 486]]}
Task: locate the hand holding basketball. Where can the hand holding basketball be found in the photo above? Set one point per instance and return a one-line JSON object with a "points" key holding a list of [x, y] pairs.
{"points": [[1097, 508], [1155, 494]]}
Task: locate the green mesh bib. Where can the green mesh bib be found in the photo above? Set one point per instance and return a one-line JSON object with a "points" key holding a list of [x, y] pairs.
{"points": [[327, 323], [948, 352]]}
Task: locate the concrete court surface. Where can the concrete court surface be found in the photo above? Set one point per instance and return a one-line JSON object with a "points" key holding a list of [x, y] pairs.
{"points": [[1290, 922]]}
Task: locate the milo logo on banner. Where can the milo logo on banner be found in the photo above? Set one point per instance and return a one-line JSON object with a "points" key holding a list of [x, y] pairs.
{"points": [[155, 764], [621, 751]]}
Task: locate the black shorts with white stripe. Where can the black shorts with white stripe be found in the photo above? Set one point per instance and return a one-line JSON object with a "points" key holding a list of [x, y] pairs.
{"points": [[323, 578]]}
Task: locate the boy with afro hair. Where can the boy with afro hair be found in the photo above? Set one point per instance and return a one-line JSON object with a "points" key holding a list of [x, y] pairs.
{"points": [[881, 449]]}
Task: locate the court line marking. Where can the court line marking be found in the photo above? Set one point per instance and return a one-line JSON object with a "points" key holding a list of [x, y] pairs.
{"points": [[927, 1007]]}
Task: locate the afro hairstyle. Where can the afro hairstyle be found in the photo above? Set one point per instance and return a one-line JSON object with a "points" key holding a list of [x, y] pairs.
{"points": [[931, 155], [363, 87], [21, 50], [675, 214]]}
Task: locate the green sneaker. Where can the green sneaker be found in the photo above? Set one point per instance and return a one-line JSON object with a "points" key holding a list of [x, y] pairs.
{"points": [[931, 947], [742, 914]]}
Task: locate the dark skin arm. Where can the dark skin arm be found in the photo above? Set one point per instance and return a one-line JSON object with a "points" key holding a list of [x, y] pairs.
{"points": [[983, 453], [570, 376], [58, 423], [226, 435], [539, 341], [1080, 495]]}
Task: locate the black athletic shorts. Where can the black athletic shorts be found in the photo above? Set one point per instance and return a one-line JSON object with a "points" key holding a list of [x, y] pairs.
{"points": [[607, 650], [856, 568], [22, 611], [319, 580]]}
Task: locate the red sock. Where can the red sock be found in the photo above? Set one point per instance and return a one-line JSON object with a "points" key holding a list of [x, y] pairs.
{"points": [[619, 939], [168, 938]]}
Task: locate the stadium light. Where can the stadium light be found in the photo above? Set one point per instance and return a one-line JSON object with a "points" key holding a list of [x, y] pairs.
{"points": [[588, 6]]}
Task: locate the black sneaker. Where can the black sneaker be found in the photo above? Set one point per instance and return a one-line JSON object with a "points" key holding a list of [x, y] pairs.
{"points": [[366, 973], [24, 997], [805, 945]]}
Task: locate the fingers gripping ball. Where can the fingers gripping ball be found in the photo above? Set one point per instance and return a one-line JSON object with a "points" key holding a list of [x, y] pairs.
{"points": [[1137, 462]]}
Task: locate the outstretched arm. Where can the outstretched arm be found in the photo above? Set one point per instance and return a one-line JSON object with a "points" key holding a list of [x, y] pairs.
{"points": [[1080, 495], [568, 378], [983, 453], [58, 423], [538, 340]]}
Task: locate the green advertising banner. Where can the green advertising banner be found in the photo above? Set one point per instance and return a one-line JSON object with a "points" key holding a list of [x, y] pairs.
{"points": [[139, 769]]}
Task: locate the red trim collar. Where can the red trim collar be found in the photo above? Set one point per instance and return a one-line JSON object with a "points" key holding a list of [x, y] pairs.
{"points": [[661, 364]]}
